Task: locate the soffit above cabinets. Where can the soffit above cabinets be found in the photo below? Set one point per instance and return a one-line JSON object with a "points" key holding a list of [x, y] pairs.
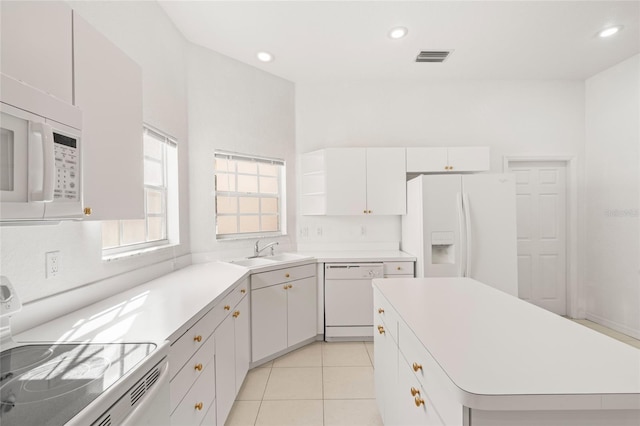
{"points": [[349, 40]]}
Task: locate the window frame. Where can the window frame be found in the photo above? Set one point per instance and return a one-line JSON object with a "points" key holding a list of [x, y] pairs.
{"points": [[280, 196], [168, 142]]}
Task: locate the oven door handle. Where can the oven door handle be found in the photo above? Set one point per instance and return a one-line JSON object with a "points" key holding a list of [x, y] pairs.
{"points": [[134, 417]]}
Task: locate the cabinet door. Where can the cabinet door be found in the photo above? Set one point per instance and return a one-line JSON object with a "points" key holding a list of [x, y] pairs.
{"points": [[268, 321], [469, 159], [386, 181], [346, 185], [424, 160], [36, 45], [241, 331], [225, 383], [108, 90], [301, 310], [385, 373]]}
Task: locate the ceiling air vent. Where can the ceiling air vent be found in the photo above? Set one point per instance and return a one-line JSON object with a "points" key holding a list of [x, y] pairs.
{"points": [[433, 55]]}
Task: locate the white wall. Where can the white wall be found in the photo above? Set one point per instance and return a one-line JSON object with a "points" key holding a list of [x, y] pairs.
{"points": [[142, 30], [613, 187], [239, 108], [512, 117]]}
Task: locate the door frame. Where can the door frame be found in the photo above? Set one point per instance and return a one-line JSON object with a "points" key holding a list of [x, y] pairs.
{"points": [[571, 164]]}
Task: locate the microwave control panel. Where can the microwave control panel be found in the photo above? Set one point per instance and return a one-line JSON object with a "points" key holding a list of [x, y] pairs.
{"points": [[67, 157]]}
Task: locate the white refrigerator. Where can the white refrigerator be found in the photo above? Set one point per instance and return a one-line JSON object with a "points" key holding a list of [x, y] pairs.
{"points": [[463, 226]]}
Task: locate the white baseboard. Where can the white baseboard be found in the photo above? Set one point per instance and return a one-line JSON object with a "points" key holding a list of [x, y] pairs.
{"points": [[629, 331]]}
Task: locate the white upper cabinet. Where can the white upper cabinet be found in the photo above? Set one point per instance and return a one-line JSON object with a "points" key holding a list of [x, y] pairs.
{"points": [[354, 181], [36, 45], [448, 160], [108, 90]]}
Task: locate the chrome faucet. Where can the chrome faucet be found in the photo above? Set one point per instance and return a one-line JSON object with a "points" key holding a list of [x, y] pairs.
{"points": [[257, 249]]}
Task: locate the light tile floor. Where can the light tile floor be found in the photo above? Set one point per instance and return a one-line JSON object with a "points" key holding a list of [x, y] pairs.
{"points": [[324, 384], [319, 384]]}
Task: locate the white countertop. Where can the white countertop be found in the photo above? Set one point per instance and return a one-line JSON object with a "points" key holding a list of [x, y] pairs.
{"points": [[358, 255], [158, 310], [495, 347]]}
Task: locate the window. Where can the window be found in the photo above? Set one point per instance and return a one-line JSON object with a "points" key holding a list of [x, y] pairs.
{"points": [[249, 196], [160, 201]]}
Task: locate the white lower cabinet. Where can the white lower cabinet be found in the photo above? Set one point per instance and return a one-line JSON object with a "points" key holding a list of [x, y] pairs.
{"points": [[209, 362], [413, 406], [232, 358], [385, 352], [283, 309]]}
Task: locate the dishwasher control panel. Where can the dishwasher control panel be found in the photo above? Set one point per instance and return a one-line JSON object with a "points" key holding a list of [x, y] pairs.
{"points": [[353, 271]]}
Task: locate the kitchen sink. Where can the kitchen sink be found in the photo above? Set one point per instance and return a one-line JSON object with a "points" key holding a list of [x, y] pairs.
{"points": [[256, 261], [286, 257]]}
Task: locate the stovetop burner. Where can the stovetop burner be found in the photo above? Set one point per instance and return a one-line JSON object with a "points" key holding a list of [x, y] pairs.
{"points": [[49, 384]]}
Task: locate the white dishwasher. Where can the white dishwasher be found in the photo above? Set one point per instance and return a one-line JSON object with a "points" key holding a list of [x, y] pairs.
{"points": [[348, 300]]}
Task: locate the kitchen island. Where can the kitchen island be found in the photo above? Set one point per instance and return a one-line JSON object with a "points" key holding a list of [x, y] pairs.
{"points": [[454, 351]]}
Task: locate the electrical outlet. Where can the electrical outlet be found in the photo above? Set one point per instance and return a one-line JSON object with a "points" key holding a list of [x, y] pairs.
{"points": [[52, 263]]}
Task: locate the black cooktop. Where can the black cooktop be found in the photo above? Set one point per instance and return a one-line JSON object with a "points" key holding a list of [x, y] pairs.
{"points": [[49, 384]]}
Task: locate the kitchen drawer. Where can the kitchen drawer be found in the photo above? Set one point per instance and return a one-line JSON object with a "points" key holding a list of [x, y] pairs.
{"points": [[431, 377], [399, 268], [266, 279], [182, 381], [198, 401], [384, 315], [210, 417], [189, 343]]}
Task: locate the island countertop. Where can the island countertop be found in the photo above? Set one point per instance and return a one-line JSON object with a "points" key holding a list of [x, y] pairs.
{"points": [[501, 352]]}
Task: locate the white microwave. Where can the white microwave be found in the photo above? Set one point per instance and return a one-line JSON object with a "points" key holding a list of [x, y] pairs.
{"points": [[40, 155]]}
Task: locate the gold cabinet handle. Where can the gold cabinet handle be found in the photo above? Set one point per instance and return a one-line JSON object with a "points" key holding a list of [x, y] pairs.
{"points": [[197, 338], [399, 268], [414, 391], [380, 329], [419, 401], [236, 314], [286, 287], [88, 211], [199, 406], [243, 291], [369, 211], [364, 211], [198, 367], [416, 366], [290, 285], [380, 311], [286, 275], [227, 307]]}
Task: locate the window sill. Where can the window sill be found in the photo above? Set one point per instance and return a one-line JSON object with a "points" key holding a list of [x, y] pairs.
{"points": [[137, 252]]}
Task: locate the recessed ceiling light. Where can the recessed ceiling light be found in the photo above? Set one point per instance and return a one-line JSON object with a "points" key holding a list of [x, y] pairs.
{"points": [[265, 56], [398, 32], [608, 32]]}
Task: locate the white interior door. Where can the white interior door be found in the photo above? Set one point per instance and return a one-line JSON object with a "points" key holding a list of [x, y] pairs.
{"points": [[542, 233]]}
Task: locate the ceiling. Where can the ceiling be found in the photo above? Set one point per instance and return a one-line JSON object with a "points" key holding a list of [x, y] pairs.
{"points": [[348, 40]]}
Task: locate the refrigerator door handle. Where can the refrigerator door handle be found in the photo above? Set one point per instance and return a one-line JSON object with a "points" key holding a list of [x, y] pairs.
{"points": [[469, 234], [461, 230]]}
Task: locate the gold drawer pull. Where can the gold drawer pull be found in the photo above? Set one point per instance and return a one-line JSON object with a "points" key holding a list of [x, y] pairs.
{"points": [[286, 275], [364, 211], [290, 285], [380, 311], [416, 366], [199, 406], [399, 268], [380, 329], [227, 307], [243, 291], [88, 211], [414, 391], [236, 314], [197, 338], [198, 367], [419, 401]]}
